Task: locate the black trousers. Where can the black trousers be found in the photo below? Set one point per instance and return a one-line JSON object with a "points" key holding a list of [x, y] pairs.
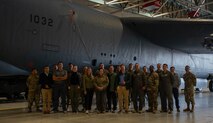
{"points": [[59, 90], [176, 97], [111, 99], [88, 98]]}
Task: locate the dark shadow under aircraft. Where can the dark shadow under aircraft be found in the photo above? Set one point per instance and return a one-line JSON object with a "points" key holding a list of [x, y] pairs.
{"points": [[34, 33]]}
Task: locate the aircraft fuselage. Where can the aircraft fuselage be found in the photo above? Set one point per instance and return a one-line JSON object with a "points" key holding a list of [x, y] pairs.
{"points": [[36, 33]]}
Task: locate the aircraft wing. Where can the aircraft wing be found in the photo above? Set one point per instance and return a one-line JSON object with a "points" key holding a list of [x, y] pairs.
{"points": [[10, 70], [185, 35]]}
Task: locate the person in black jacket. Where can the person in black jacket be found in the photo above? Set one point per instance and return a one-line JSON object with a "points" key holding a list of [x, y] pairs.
{"points": [[74, 82], [46, 85], [166, 80]]}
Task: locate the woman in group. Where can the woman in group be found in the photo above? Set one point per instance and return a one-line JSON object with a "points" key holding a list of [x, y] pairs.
{"points": [[101, 82], [88, 87]]}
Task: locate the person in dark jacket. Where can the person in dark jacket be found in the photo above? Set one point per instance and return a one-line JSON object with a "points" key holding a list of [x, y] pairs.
{"points": [[138, 89], [123, 86], [74, 83], [111, 90], [46, 82], [165, 86]]}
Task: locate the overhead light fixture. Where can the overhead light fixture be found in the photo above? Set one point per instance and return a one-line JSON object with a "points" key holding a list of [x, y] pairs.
{"points": [[159, 15], [119, 2], [98, 1], [110, 2]]}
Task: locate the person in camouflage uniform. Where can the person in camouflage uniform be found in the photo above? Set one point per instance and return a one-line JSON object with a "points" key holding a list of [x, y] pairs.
{"points": [[190, 82], [130, 70], [146, 73], [101, 66], [138, 89], [146, 81], [158, 71], [152, 89], [33, 90], [101, 82]]}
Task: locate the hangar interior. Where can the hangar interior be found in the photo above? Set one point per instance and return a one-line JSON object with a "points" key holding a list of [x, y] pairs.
{"points": [[191, 9]]}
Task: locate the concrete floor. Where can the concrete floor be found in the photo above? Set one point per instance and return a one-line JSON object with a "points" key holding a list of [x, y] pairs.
{"points": [[203, 114]]}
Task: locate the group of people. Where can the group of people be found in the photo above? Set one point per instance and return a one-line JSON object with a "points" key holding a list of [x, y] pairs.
{"points": [[111, 87]]}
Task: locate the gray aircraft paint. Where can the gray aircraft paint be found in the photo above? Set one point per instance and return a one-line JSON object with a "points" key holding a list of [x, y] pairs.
{"points": [[87, 36]]}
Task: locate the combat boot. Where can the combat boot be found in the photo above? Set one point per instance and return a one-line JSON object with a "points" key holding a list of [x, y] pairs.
{"points": [[186, 109]]}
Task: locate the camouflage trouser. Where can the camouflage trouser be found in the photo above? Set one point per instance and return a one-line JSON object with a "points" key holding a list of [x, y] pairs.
{"points": [[138, 96], [33, 95], [152, 99], [189, 95]]}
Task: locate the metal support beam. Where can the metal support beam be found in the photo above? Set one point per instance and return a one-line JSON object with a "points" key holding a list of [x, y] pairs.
{"points": [[132, 6], [195, 7], [140, 4], [198, 9], [160, 8]]}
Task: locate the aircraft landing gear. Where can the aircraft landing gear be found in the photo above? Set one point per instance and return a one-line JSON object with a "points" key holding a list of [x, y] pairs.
{"points": [[210, 79]]}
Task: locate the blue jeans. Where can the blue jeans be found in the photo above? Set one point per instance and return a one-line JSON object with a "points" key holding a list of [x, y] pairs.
{"points": [[176, 95]]}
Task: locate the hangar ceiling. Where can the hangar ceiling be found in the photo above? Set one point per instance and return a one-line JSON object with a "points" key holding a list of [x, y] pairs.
{"points": [[155, 8]]}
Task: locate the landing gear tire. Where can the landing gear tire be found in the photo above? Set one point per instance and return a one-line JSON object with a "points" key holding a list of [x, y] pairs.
{"points": [[211, 86]]}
